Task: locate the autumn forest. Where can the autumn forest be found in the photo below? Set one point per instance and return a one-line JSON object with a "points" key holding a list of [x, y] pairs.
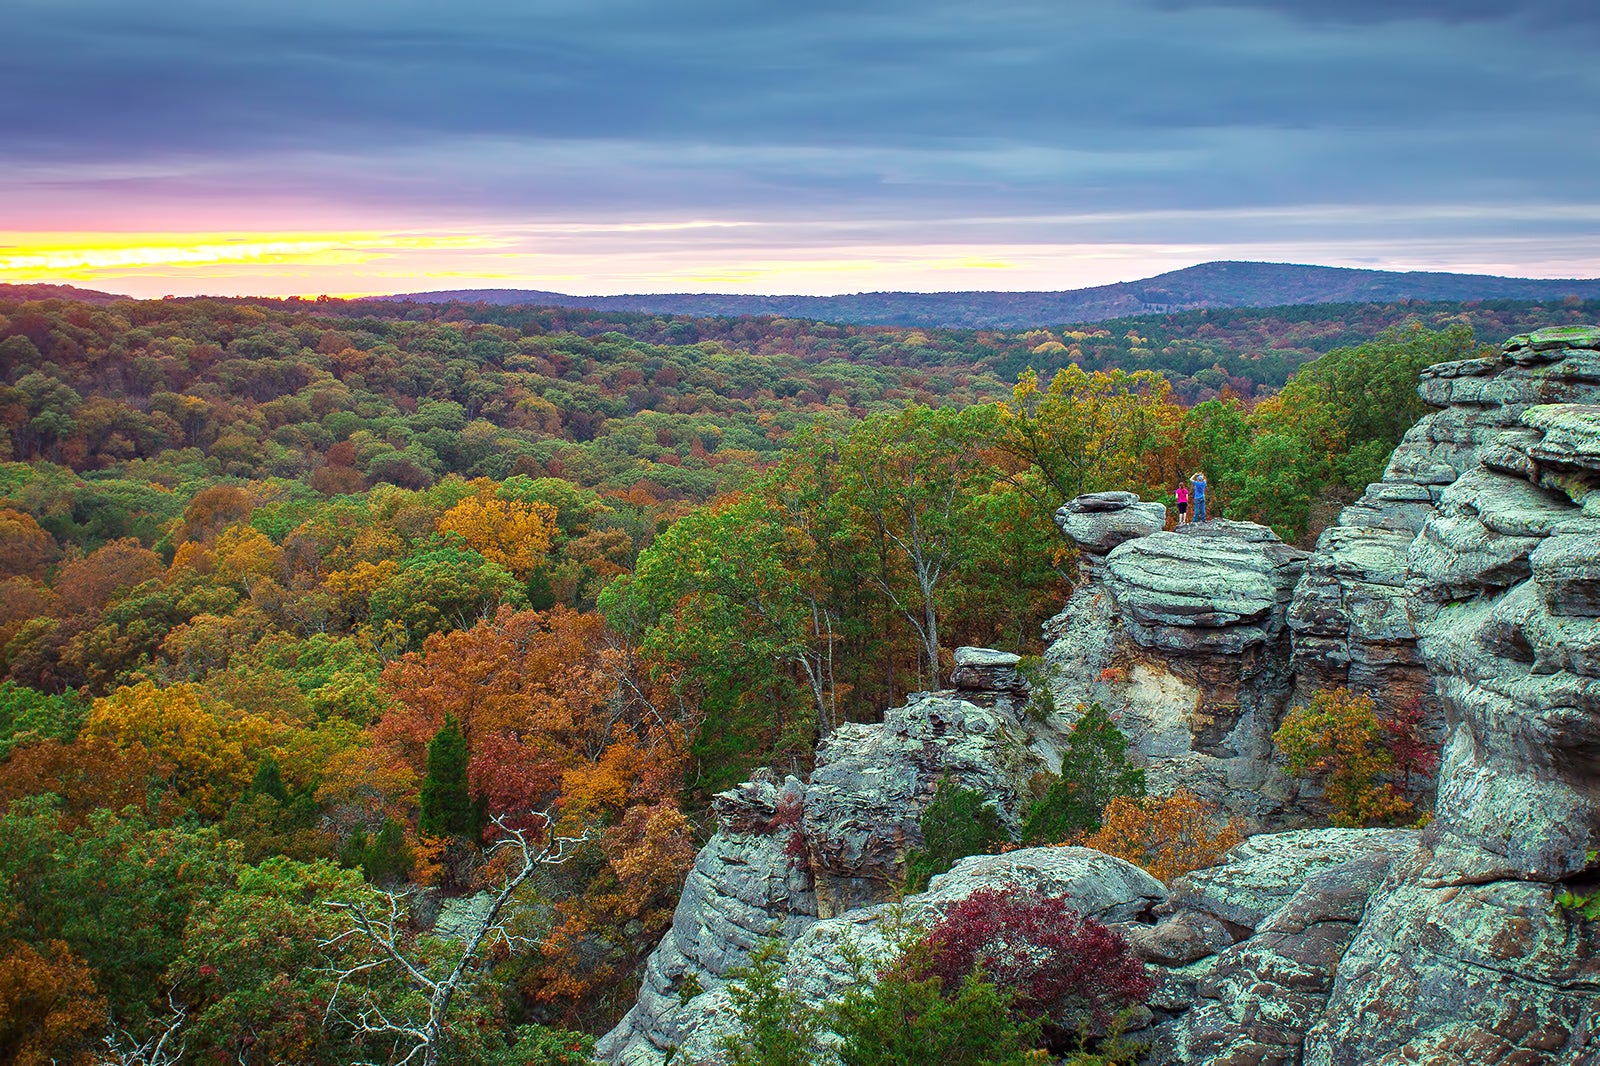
{"points": [[305, 602]]}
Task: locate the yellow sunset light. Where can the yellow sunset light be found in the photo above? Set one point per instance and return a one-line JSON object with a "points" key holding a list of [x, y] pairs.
{"points": [[52, 257]]}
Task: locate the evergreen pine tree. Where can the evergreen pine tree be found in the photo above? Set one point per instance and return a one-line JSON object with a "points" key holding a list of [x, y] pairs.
{"points": [[447, 807], [1095, 769], [268, 781], [387, 860]]}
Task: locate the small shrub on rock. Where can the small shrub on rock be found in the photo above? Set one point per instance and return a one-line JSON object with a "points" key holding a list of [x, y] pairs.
{"points": [[1056, 964], [776, 1026], [1167, 837], [958, 822], [1339, 740]]}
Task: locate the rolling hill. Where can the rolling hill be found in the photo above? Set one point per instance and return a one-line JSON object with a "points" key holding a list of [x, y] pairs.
{"points": [[1219, 284]]}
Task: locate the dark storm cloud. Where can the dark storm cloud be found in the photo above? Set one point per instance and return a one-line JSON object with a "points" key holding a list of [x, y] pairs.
{"points": [[948, 106]]}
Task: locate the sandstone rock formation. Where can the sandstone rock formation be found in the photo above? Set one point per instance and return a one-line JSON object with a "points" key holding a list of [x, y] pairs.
{"points": [[1470, 575], [1350, 620], [1183, 635]]}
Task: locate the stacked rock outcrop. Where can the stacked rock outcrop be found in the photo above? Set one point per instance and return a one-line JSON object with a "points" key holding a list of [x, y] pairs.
{"points": [[786, 855], [1183, 634], [1472, 572]]}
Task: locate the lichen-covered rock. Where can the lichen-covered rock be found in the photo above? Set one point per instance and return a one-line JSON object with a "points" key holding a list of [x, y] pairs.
{"points": [[1099, 521], [1258, 876], [1510, 413], [1458, 963], [748, 882], [872, 783], [819, 966], [1215, 587], [1513, 646], [1182, 636]]}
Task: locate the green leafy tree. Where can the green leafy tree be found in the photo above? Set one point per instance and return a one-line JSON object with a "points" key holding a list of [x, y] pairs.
{"points": [[1089, 430], [447, 807], [447, 588], [1095, 769], [908, 474], [958, 822]]}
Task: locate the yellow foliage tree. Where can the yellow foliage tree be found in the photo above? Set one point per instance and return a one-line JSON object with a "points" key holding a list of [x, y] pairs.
{"points": [[514, 534], [203, 750], [1339, 740]]}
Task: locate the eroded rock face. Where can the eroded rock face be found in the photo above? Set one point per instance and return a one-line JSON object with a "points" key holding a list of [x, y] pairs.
{"points": [[1183, 635], [1462, 956], [1206, 588], [1349, 615], [748, 882], [1502, 582], [872, 783]]}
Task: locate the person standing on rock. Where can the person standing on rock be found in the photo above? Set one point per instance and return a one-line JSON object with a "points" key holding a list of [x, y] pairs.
{"points": [[1183, 502], [1199, 481]]}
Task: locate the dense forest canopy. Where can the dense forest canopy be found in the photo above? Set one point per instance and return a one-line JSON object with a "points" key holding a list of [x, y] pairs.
{"points": [[300, 601]]}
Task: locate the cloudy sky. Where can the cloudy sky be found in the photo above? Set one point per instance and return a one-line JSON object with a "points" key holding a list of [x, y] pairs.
{"points": [[602, 146]]}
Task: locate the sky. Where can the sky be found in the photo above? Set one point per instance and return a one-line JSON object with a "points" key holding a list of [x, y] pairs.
{"points": [[301, 147]]}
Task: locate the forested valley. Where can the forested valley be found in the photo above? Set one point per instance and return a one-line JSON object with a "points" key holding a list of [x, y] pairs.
{"points": [[305, 604]]}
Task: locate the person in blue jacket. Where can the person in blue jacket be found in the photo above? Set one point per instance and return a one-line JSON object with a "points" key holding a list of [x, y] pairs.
{"points": [[1199, 483]]}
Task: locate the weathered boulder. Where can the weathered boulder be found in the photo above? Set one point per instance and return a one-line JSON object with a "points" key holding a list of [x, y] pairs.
{"points": [[1097, 522], [872, 783], [1256, 1003], [1217, 588], [1260, 875], [986, 670], [1245, 950]]}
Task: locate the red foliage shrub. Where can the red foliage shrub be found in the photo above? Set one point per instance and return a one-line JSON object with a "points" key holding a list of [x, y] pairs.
{"points": [[1414, 752], [1051, 958]]}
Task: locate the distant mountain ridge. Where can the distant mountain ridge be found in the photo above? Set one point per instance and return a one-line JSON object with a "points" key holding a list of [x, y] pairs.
{"points": [[1221, 284], [1216, 284]]}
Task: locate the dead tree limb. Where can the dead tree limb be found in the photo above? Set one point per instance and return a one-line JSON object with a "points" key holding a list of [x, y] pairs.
{"points": [[418, 1041]]}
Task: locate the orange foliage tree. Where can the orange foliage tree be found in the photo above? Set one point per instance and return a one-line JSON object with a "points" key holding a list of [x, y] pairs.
{"points": [[1339, 740], [50, 1010], [1168, 837], [537, 697]]}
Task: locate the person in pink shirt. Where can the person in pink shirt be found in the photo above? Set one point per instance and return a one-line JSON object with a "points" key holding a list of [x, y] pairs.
{"points": [[1183, 503]]}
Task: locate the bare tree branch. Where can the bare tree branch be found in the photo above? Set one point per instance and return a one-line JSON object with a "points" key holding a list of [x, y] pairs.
{"points": [[162, 1048], [419, 1041]]}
